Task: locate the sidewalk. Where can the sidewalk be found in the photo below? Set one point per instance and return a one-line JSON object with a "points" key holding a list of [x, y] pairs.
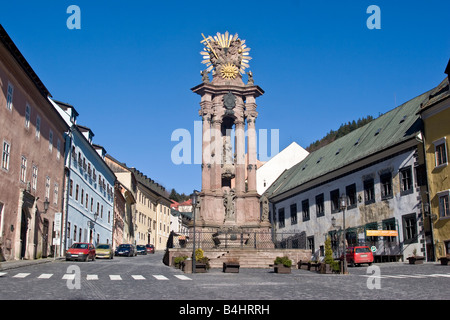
{"points": [[13, 264]]}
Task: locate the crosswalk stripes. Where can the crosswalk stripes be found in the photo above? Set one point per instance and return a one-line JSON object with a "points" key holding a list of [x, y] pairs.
{"points": [[91, 277], [405, 276], [182, 277], [21, 275]]}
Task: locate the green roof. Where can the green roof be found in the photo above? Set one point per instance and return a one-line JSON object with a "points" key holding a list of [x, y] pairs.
{"points": [[388, 130]]}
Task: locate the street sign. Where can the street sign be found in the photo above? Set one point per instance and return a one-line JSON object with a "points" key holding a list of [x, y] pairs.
{"points": [[58, 216], [382, 233], [373, 248]]}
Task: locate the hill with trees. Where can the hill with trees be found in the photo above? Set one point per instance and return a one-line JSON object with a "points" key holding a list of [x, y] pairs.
{"points": [[342, 131]]}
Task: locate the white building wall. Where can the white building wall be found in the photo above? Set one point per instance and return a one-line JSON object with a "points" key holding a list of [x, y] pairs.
{"points": [[396, 207], [271, 170]]}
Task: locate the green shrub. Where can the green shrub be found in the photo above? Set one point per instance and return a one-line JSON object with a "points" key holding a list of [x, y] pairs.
{"points": [[284, 261]]}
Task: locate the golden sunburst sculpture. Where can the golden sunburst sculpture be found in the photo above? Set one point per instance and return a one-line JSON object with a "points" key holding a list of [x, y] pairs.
{"points": [[228, 54]]}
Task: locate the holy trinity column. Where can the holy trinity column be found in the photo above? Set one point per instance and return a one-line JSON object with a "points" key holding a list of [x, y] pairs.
{"points": [[228, 199]]}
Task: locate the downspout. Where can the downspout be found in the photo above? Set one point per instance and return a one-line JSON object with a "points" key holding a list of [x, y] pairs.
{"points": [[66, 195]]}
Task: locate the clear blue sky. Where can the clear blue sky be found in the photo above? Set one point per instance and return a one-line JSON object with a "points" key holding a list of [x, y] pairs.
{"points": [[129, 70]]}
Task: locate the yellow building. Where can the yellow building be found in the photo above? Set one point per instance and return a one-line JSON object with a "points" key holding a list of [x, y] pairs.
{"points": [[435, 113], [152, 212]]}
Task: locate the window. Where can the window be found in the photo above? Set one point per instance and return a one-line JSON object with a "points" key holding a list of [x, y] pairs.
{"points": [[92, 204], [305, 210], [87, 200], [444, 204], [76, 192], [406, 181], [68, 230], [320, 208], [9, 96], [82, 196], [27, 115], [23, 169], [74, 233], [310, 244], [386, 185], [369, 191], [6, 155], [47, 187], [294, 213], [351, 194], [409, 228], [334, 198], [50, 141], [440, 152], [281, 218], [389, 224], [55, 194], [34, 177], [58, 149], [70, 187], [38, 127]]}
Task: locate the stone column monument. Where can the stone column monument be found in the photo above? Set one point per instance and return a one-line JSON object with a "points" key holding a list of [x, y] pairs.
{"points": [[228, 199]]}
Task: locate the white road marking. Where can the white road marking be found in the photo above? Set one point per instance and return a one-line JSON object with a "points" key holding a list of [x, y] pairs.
{"points": [[45, 276], [138, 277], [92, 277], [69, 276], [160, 277], [182, 277], [21, 275], [115, 277]]}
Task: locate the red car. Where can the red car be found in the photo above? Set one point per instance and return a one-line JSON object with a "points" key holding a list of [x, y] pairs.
{"points": [[150, 248], [359, 255], [81, 251]]}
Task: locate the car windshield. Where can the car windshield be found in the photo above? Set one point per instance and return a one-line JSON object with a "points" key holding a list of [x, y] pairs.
{"points": [[125, 246], [80, 246], [141, 247], [362, 250], [103, 246]]}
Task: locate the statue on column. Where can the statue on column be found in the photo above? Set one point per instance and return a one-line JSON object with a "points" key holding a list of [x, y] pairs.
{"points": [[228, 202], [265, 208]]}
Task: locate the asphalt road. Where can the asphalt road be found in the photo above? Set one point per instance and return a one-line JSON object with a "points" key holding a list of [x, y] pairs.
{"points": [[147, 278]]}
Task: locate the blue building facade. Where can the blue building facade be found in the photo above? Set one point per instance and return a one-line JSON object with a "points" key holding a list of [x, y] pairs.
{"points": [[89, 192]]}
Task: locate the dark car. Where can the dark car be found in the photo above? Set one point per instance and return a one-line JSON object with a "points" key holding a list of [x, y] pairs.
{"points": [[125, 250], [150, 248], [140, 249]]}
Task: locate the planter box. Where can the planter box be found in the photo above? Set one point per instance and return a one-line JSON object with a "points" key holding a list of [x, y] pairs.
{"points": [[231, 267], [303, 265], [200, 267], [279, 268], [416, 260], [444, 261], [325, 268]]}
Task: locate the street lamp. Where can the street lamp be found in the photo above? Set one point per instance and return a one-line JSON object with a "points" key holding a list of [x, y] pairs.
{"points": [[46, 205], [194, 196], [343, 204]]}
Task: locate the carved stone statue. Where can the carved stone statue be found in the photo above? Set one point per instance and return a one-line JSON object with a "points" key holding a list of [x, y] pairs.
{"points": [[265, 208], [250, 78], [205, 77], [228, 202]]}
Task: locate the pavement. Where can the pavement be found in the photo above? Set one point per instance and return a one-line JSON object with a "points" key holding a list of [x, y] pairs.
{"points": [[13, 264]]}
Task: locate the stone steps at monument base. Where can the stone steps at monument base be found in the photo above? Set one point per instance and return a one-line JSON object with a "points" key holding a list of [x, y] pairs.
{"points": [[257, 258]]}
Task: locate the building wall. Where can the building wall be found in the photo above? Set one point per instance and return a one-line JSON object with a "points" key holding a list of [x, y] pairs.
{"points": [[399, 206], [437, 129], [45, 156], [95, 218]]}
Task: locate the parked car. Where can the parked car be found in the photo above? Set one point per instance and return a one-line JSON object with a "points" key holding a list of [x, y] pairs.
{"points": [[358, 255], [141, 249], [81, 251], [150, 248], [104, 251], [126, 249]]}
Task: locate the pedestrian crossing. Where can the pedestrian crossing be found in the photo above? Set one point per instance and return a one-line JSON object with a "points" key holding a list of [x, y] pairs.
{"points": [[411, 276], [94, 277]]}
